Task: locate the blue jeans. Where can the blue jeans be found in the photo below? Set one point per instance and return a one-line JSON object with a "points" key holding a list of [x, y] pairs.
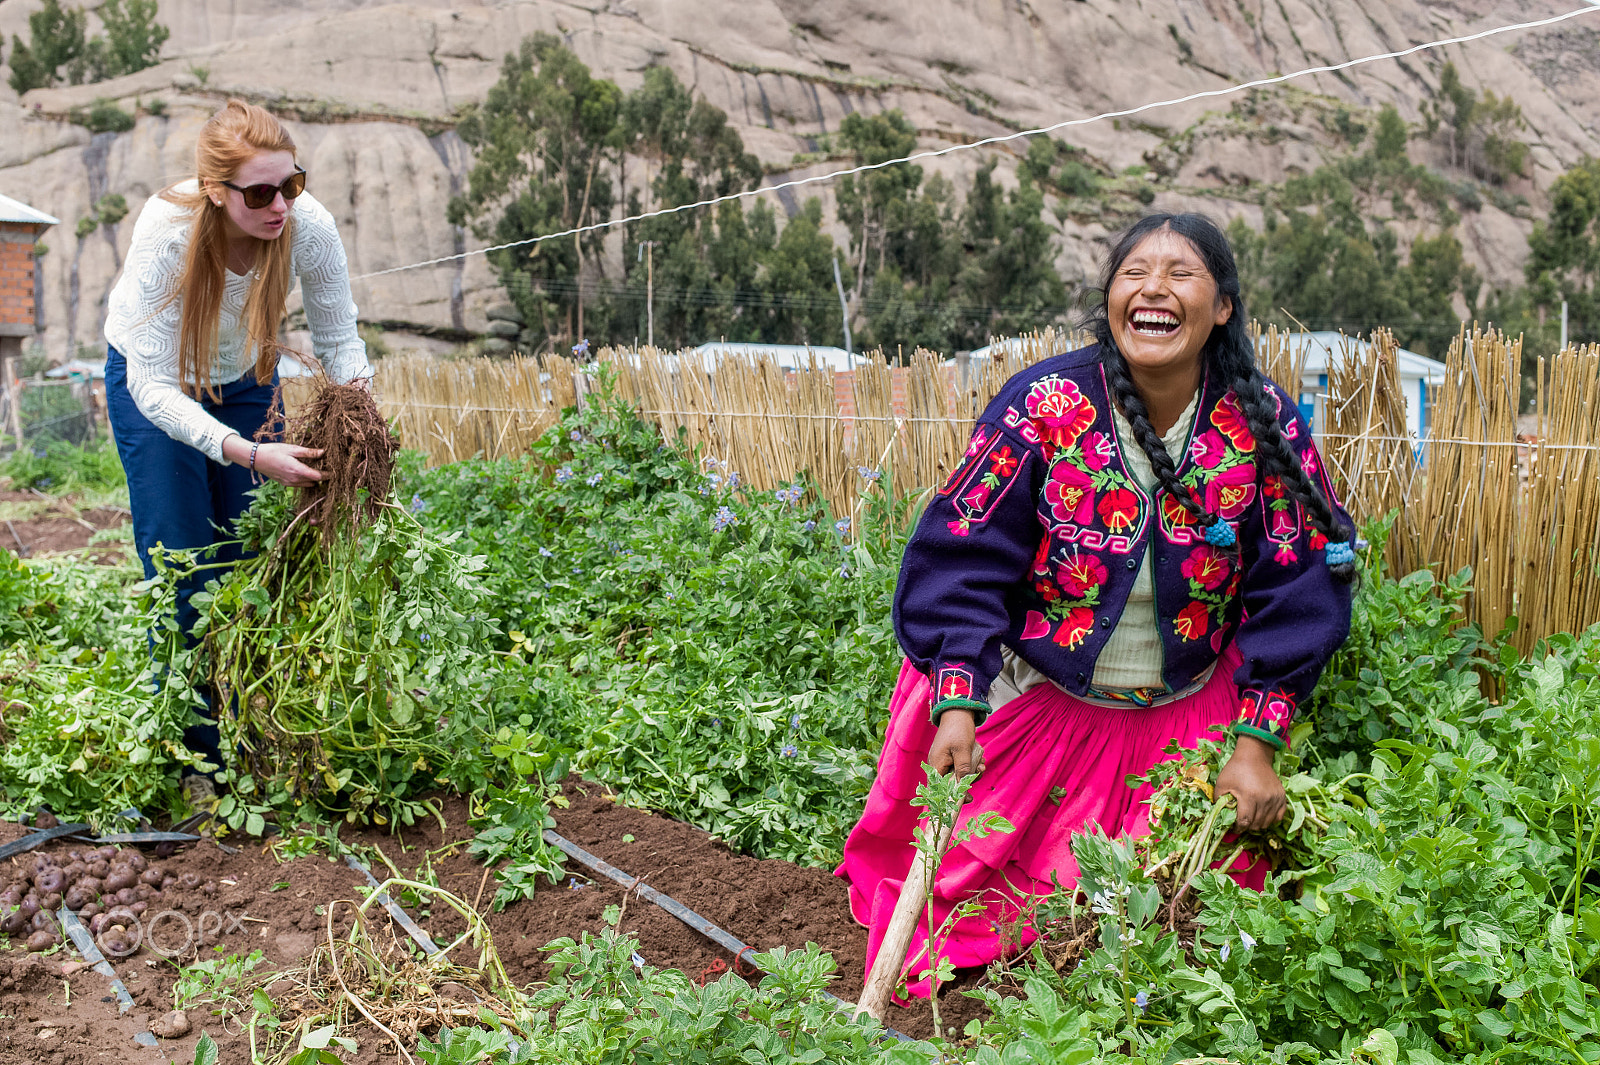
{"points": [[180, 498]]}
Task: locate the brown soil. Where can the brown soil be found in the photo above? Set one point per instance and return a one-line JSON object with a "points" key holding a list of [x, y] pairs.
{"points": [[249, 900], [61, 529]]}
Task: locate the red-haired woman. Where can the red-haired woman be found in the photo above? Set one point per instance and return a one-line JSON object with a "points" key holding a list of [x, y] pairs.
{"points": [[192, 334], [1141, 544]]}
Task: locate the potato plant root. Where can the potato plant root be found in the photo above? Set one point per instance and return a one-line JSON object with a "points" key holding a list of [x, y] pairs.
{"points": [[359, 448], [260, 903]]}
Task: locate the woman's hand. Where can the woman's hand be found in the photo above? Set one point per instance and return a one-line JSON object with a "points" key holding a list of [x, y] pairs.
{"points": [[281, 462], [955, 746], [1254, 784]]}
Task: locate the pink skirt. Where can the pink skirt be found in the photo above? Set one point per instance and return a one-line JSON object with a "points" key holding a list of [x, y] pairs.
{"points": [[1054, 765]]}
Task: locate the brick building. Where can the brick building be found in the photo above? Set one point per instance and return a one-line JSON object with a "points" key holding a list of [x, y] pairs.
{"points": [[20, 228]]}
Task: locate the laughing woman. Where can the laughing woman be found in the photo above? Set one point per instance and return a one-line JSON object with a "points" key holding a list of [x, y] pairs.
{"points": [[1140, 546], [193, 340]]}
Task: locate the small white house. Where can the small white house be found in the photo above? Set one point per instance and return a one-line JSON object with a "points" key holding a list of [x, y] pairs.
{"points": [[1418, 374]]}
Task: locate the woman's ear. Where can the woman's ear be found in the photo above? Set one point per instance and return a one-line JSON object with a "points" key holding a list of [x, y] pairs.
{"points": [[1224, 308]]}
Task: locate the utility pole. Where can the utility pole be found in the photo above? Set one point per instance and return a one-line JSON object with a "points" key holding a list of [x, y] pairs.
{"points": [[849, 349], [647, 251]]}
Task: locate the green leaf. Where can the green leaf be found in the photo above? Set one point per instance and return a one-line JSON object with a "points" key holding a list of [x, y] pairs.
{"points": [[317, 1039], [205, 1051]]}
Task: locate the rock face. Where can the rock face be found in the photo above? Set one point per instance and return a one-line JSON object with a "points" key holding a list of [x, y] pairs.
{"points": [[371, 90]]}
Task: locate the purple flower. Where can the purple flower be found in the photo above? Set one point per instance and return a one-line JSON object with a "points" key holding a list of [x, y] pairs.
{"points": [[842, 526], [418, 504], [575, 435], [809, 526], [788, 750], [546, 552], [564, 474], [868, 473], [1227, 949], [1142, 1000], [725, 517], [1247, 940]]}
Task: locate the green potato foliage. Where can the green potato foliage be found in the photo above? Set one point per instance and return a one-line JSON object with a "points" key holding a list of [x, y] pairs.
{"points": [[350, 670], [722, 655]]}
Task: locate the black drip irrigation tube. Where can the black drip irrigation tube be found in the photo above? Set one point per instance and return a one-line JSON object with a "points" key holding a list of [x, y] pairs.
{"points": [[401, 917], [679, 910], [629, 883]]}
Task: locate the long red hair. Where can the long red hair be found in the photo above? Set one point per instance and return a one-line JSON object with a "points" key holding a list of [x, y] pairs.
{"points": [[227, 141]]}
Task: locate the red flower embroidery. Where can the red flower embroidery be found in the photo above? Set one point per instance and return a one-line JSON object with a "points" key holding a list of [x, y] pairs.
{"points": [[959, 528], [1119, 508], [1173, 512], [1070, 494], [1231, 420], [1231, 491], [1318, 541], [1207, 567], [1035, 626], [1078, 623], [1003, 463], [1273, 488], [1098, 451], [1081, 574], [1272, 711], [1208, 449], [977, 498], [1059, 411], [1285, 556], [1047, 591], [1282, 525], [955, 684], [1192, 621]]}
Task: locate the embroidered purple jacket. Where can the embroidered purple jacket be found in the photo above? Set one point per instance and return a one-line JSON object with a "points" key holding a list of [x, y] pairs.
{"points": [[1035, 540]]}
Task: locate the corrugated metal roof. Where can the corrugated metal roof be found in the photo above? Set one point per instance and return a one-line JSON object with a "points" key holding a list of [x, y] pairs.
{"points": [[17, 211]]}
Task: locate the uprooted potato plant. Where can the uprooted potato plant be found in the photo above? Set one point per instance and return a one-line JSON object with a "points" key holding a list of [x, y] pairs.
{"points": [[346, 640]]}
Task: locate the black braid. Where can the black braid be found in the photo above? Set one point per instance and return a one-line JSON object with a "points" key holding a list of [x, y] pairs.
{"points": [[1275, 457], [1231, 354]]}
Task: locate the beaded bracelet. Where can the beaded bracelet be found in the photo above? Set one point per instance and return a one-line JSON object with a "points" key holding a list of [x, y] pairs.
{"points": [[253, 449]]}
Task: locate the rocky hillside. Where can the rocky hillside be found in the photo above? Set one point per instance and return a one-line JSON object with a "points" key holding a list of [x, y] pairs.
{"points": [[372, 89]]}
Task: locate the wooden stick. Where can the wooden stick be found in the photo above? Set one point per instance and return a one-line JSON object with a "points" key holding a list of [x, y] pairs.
{"points": [[891, 957]]}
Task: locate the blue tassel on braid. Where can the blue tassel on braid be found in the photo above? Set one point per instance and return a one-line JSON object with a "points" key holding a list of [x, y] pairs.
{"points": [[1220, 534], [1338, 554]]}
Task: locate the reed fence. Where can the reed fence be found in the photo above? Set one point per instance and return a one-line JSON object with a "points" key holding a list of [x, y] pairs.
{"points": [[1524, 514]]}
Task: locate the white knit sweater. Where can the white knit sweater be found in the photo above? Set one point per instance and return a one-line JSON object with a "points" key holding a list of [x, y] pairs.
{"points": [[143, 325]]}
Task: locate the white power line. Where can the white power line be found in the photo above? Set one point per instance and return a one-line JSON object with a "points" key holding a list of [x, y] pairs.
{"points": [[1594, 5]]}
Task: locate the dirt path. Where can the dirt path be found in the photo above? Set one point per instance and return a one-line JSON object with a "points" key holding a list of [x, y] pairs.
{"points": [[57, 1014]]}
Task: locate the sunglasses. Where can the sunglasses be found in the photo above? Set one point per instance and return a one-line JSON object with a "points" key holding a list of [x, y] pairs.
{"points": [[259, 196]]}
